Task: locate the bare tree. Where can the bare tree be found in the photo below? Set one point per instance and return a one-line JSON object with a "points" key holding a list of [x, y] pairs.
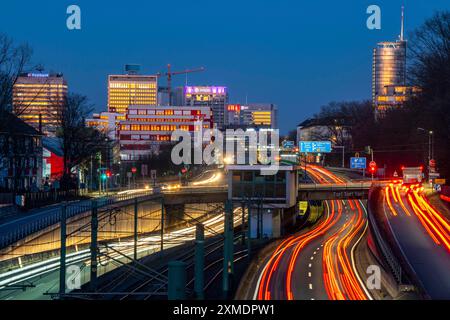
{"points": [[14, 60], [78, 142]]}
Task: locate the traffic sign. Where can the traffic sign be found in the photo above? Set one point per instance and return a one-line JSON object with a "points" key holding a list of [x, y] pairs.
{"points": [[288, 145], [315, 146], [439, 181], [372, 164], [432, 163], [358, 163]]}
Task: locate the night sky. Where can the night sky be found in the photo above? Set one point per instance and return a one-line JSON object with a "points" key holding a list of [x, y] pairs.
{"points": [[296, 54]]}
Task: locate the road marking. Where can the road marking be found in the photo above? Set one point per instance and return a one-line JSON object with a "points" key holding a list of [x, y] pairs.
{"points": [[309, 274], [312, 258], [310, 286], [309, 265], [312, 298], [315, 252]]}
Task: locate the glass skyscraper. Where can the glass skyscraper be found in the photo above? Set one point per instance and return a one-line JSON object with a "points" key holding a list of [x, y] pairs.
{"points": [[389, 67]]}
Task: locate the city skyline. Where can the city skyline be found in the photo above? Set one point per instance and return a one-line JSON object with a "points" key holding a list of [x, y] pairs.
{"points": [[292, 73]]}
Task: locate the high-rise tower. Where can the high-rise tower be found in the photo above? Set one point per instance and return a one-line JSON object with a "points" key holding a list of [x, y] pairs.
{"points": [[389, 66]]}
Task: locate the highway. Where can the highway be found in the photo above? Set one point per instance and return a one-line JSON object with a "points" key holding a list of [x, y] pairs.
{"points": [[422, 234], [318, 263]]}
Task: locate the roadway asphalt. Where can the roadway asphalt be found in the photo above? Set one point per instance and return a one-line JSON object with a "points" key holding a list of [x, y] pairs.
{"points": [[317, 264], [429, 260]]}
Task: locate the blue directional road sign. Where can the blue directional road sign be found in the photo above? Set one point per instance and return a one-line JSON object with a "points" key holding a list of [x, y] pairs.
{"points": [[358, 163], [315, 146], [288, 144]]}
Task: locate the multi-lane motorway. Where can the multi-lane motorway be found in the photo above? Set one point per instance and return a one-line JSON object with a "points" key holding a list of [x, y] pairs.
{"points": [[318, 263], [422, 235]]}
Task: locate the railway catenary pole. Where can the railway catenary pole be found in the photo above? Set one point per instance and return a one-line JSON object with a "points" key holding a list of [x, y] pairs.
{"points": [[94, 247], [199, 261], [228, 250], [62, 266]]}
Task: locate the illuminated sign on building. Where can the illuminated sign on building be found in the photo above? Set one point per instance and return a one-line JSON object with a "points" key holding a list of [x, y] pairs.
{"points": [[205, 90], [234, 107], [38, 75]]}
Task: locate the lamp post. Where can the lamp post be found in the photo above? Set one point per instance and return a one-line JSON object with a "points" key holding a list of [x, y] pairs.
{"points": [[343, 154], [430, 147]]}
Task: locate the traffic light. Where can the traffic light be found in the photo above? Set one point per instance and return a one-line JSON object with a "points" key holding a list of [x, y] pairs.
{"points": [[108, 173], [104, 176], [373, 167]]}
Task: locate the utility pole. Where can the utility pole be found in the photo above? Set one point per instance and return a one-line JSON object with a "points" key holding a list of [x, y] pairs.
{"points": [[135, 228], [199, 261], [430, 135], [243, 222], [249, 227], [62, 264], [343, 154], [94, 248], [162, 224], [260, 219], [228, 251], [91, 176]]}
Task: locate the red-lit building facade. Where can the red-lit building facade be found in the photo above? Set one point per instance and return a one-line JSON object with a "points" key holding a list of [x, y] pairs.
{"points": [[147, 127]]}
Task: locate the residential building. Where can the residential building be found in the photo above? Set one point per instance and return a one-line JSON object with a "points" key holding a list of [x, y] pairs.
{"points": [[20, 155], [53, 159], [337, 130]]}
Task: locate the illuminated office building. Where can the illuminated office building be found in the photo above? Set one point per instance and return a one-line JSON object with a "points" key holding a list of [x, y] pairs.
{"points": [[253, 115], [147, 127], [107, 122], [393, 96], [39, 95], [389, 67], [210, 96], [131, 89]]}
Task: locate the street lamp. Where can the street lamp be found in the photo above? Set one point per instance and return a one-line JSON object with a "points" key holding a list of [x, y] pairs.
{"points": [[343, 154], [430, 147]]}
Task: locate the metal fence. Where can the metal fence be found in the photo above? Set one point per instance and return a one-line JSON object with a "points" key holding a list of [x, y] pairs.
{"points": [[17, 230]]}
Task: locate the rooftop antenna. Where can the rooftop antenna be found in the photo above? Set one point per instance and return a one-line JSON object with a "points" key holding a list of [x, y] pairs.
{"points": [[403, 23]]}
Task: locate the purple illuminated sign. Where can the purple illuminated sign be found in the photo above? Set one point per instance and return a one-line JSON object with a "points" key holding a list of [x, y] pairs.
{"points": [[205, 90]]}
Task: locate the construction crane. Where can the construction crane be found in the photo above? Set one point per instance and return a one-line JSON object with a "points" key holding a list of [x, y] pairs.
{"points": [[169, 75]]}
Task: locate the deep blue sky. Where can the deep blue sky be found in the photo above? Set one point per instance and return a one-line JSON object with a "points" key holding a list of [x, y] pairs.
{"points": [[297, 54]]}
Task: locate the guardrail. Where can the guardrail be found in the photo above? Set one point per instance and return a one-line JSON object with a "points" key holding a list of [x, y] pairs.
{"points": [[388, 244], [387, 253], [53, 216]]}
